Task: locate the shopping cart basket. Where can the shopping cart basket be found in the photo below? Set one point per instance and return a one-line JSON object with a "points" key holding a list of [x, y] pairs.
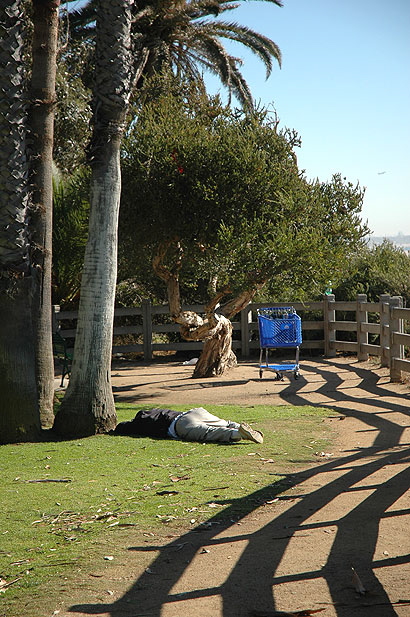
{"points": [[279, 328]]}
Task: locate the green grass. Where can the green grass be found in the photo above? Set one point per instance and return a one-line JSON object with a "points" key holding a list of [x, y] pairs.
{"points": [[108, 485]]}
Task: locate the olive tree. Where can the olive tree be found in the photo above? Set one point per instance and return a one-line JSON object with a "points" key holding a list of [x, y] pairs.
{"points": [[222, 202]]}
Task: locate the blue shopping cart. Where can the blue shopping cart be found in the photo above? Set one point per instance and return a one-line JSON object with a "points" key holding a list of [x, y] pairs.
{"points": [[279, 328]]}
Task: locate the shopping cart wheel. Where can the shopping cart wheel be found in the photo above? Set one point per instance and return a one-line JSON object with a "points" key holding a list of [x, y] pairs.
{"points": [[260, 373], [279, 377], [296, 374]]}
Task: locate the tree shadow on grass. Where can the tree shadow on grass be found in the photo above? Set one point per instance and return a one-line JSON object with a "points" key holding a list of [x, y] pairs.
{"points": [[370, 480]]}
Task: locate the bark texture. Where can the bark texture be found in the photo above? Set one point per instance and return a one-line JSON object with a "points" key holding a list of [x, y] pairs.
{"points": [[45, 22], [215, 329], [217, 355], [88, 406], [19, 413]]}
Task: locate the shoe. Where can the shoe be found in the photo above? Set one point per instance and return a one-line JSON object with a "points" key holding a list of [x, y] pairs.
{"points": [[246, 432]]}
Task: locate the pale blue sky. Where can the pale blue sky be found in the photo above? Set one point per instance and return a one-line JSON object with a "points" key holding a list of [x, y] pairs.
{"points": [[345, 87]]}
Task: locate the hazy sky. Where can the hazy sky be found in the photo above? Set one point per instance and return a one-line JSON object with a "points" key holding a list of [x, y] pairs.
{"points": [[344, 86]]}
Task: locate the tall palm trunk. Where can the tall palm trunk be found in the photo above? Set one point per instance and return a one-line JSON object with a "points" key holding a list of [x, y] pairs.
{"points": [[19, 412], [45, 21], [88, 406]]}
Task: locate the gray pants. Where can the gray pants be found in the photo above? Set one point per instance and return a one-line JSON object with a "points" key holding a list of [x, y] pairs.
{"points": [[200, 425]]}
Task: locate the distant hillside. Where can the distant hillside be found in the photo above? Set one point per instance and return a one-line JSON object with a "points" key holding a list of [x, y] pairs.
{"points": [[401, 240]]}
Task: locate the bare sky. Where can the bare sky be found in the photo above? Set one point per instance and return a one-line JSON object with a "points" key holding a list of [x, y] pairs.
{"points": [[345, 87]]}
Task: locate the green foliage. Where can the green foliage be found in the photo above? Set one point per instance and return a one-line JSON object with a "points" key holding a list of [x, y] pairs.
{"points": [[51, 530], [70, 228], [72, 122], [72, 126], [185, 37], [376, 270], [225, 189]]}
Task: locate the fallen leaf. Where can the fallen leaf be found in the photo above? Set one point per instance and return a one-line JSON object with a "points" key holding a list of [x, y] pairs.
{"points": [[167, 493], [304, 613], [308, 612], [358, 583], [19, 563], [166, 518], [179, 547], [51, 480], [179, 478], [4, 584]]}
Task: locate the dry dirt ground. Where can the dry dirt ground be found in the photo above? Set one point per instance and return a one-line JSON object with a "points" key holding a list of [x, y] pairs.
{"points": [[350, 509]]}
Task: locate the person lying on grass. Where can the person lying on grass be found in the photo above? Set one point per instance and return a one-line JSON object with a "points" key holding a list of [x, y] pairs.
{"points": [[193, 425]]}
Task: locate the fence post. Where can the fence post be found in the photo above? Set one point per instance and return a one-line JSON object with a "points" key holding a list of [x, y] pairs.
{"points": [[147, 329], [384, 330], [246, 319], [362, 334], [55, 308], [329, 316], [396, 350]]}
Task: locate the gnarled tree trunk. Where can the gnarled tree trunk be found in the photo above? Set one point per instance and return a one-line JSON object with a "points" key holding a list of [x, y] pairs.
{"points": [[215, 329], [216, 355]]}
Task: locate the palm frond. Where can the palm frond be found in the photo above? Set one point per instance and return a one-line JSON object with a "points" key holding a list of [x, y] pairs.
{"points": [[172, 29], [260, 45]]}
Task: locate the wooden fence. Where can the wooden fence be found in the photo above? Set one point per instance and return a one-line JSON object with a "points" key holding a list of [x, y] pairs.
{"points": [[358, 327]]}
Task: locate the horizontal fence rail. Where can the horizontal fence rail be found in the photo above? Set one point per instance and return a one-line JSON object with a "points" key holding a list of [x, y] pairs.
{"points": [[358, 327]]}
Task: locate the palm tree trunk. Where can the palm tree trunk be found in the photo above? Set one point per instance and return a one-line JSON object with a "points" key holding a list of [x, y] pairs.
{"points": [[19, 412], [45, 22], [88, 406]]}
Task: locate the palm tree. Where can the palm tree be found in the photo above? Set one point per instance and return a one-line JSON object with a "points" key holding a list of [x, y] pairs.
{"points": [[41, 124], [88, 406], [19, 409], [184, 35], [127, 43]]}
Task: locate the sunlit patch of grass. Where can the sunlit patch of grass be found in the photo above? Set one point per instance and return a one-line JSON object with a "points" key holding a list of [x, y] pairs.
{"points": [[62, 500]]}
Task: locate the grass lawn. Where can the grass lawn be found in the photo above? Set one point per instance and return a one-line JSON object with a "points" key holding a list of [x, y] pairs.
{"points": [[62, 501]]}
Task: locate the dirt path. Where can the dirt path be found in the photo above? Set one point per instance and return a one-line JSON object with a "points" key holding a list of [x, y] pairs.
{"points": [[297, 553]]}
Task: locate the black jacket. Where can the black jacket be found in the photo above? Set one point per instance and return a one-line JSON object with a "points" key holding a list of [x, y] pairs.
{"points": [[148, 422]]}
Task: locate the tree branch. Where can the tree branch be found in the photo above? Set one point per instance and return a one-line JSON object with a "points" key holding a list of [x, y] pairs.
{"points": [[234, 306]]}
